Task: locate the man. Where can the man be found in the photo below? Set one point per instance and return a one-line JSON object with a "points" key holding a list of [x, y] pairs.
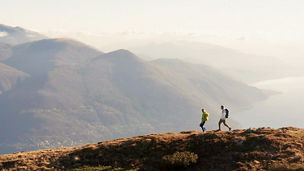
{"points": [[224, 116], [205, 117]]}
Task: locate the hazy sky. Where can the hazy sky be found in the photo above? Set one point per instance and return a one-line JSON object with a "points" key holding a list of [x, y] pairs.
{"points": [[270, 27]]}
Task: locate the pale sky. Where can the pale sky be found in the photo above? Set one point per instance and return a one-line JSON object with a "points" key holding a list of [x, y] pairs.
{"points": [[269, 27]]}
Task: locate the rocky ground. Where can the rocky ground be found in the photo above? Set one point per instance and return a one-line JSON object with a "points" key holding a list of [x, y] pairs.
{"points": [[251, 149]]}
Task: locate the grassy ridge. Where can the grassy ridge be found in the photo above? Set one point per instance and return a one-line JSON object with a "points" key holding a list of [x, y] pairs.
{"points": [[251, 149]]}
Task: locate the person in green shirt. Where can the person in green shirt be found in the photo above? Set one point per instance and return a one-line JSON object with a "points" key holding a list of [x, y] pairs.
{"points": [[205, 117]]}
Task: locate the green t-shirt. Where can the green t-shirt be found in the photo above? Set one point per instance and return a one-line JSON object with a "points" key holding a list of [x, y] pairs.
{"points": [[205, 116]]}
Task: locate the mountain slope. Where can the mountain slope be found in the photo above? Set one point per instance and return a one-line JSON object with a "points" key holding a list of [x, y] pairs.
{"points": [[251, 149], [144, 93], [9, 77], [17, 35], [222, 88]]}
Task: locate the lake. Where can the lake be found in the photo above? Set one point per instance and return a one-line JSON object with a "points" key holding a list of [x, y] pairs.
{"points": [[284, 109]]}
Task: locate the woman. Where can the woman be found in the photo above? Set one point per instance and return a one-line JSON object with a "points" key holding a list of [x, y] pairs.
{"points": [[205, 117]]}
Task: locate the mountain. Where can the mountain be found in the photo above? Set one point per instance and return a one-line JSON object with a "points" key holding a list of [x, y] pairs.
{"points": [[35, 109], [17, 35], [75, 94], [245, 67], [154, 95], [40, 57], [250, 149]]}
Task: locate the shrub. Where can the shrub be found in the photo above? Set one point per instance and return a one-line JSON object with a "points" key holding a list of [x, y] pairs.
{"points": [[180, 159]]}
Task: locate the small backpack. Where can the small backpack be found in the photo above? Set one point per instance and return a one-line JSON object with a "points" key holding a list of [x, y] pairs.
{"points": [[227, 113]]}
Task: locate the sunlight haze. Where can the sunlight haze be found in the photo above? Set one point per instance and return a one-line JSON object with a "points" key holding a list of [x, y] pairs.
{"points": [[75, 72]]}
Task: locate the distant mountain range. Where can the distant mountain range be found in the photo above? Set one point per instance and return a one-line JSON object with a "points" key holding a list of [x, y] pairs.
{"points": [[60, 92], [245, 67]]}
